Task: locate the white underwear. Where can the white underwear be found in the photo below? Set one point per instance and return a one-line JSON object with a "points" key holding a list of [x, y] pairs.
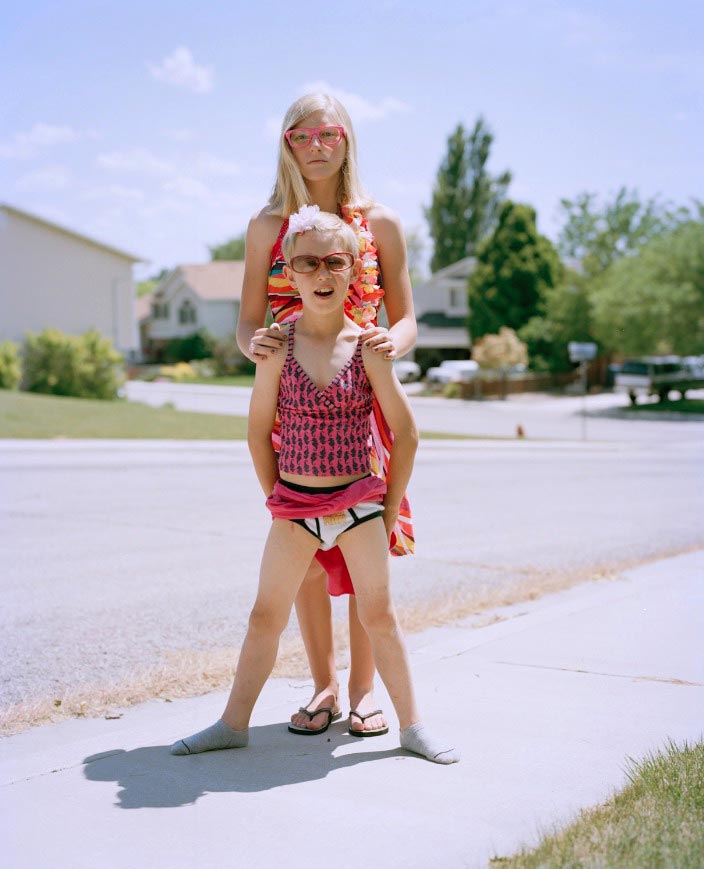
{"points": [[328, 528]]}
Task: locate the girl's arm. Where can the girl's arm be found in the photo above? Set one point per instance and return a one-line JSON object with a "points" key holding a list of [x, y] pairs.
{"points": [[255, 341], [398, 414], [260, 422], [398, 296]]}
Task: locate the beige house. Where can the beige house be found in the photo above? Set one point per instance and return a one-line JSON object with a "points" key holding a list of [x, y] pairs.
{"points": [[194, 297], [53, 277], [441, 309]]}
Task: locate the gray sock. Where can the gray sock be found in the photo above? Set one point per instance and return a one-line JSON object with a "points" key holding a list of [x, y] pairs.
{"points": [[213, 738], [416, 738]]}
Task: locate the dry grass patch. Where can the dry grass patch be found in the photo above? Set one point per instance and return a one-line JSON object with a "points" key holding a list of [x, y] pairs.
{"points": [[188, 673]]}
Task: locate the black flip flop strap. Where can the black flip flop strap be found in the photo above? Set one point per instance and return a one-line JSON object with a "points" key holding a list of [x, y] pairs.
{"points": [[311, 715], [368, 715]]}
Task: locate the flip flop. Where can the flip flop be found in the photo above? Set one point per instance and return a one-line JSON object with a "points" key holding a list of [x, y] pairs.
{"points": [[380, 731], [306, 731]]}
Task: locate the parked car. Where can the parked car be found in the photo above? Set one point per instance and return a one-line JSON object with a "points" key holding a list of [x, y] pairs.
{"points": [[406, 371], [653, 375], [453, 371]]}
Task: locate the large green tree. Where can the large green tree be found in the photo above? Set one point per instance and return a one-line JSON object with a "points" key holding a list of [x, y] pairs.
{"points": [[653, 302], [229, 250], [515, 268], [597, 234], [466, 198], [566, 317]]}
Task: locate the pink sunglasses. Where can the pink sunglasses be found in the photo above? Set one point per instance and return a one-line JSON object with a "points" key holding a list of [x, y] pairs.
{"points": [[301, 137]]}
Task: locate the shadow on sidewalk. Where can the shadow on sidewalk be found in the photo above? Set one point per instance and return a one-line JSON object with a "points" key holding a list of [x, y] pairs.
{"points": [[151, 777]]}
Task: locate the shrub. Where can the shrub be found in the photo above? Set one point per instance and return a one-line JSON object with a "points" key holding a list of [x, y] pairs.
{"points": [[181, 372], [199, 345], [85, 366], [228, 358], [503, 350], [10, 370]]}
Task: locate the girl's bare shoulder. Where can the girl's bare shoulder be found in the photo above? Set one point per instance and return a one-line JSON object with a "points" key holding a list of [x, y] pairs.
{"points": [[384, 223], [264, 226]]}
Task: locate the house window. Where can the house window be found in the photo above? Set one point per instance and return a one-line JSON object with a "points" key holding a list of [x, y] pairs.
{"points": [[160, 311], [187, 312], [454, 300]]}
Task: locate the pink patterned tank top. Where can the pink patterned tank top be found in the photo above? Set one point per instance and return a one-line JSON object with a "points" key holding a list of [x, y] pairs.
{"points": [[324, 432]]}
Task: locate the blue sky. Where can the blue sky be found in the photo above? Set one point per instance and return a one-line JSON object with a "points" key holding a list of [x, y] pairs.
{"points": [[152, 125]]}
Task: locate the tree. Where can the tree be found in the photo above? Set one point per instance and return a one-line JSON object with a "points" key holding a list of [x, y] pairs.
{"points": [[466, 197], [654, 302], [567, 317], [228, 250], [414, 248], [500, 351], [598, 235], [144, 288], [515, 268]]}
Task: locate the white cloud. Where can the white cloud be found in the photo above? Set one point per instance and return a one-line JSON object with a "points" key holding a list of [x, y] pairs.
{"points": [[135, 160], [360, 108], [46, 178], [115, 192], [181, 70], [209, 164], [40, 136], [188, 188]]}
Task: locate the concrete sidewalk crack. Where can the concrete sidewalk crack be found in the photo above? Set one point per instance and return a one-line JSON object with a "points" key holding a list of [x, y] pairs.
{"points": [[665, 680]]}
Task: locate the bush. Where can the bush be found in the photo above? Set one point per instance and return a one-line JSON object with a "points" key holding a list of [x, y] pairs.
{"points": [[85, 366], [181, 372], [10, 370], [199, 345], [228, 358]]}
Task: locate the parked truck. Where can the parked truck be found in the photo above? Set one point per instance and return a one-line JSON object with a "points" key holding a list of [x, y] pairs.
{"points": [[659, 375]]}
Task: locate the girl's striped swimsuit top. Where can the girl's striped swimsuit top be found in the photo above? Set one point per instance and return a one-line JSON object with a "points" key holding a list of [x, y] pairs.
{"points": [[324, 432]]}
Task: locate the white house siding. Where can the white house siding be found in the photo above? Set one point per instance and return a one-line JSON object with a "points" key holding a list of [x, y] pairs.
{"points": [[220, 318], [51, 278], [163, 328]]}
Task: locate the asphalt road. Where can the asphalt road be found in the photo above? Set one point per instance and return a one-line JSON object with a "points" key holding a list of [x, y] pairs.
{"points": [[116, 556]]}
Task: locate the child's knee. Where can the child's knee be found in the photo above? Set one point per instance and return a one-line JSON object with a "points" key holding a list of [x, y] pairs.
{"points": [[378, 619], [266, 618]]}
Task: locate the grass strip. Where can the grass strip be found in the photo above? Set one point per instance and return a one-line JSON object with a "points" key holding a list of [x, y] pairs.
{"points": [[26, 415], [656, 820], [684, 405]]}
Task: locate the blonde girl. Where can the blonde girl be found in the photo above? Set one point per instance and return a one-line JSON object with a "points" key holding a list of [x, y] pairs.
{"points": [[317, 165]]}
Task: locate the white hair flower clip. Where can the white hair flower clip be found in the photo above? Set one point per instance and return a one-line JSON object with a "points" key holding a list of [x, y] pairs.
{"points": [[304, 219]]}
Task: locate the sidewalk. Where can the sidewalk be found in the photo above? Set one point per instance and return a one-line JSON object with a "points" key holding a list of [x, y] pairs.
{"points": [[546, 703]]}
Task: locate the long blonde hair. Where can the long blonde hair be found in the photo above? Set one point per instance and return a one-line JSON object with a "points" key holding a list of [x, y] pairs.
{"points": [[290, 191]]}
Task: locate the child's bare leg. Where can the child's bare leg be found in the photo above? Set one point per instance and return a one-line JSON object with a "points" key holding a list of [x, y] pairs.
{"points": [[315, 621], [287, 554], [362, 672], [366, 554]]}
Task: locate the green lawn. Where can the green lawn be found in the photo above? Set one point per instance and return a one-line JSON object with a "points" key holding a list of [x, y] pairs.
{"points": [[657, 820], [234, 380], [25, 415], [686, 405]]}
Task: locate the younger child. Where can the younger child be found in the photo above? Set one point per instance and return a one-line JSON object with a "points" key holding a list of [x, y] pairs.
{"points": [[321, 492]]}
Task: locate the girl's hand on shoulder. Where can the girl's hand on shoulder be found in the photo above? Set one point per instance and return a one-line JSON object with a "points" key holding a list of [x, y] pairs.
{"points": [[380, 340], [266, 342]]}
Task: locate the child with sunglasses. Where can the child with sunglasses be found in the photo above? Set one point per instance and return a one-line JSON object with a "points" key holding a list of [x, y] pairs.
{"points": [[320, 489], [317, 164]]}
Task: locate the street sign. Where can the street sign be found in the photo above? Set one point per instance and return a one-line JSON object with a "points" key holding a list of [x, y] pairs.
{"points": [[581, 351]]}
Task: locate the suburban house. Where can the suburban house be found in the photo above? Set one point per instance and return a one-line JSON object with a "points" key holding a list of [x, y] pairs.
{"points": [[190, 298], [441, 312], [51, 276]]}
